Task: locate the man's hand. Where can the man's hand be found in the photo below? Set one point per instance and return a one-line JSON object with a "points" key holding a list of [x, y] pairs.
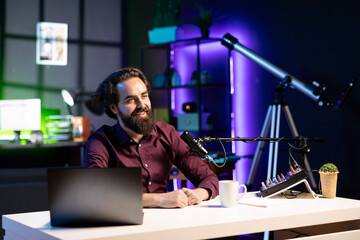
{"points": [[175, 199], [196, 196]]}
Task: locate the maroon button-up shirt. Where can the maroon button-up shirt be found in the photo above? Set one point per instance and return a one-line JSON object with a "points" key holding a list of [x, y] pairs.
{"points": [[155, 154]]}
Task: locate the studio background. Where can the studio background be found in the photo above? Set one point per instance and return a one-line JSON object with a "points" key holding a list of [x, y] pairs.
{"points": [[313, 41]]}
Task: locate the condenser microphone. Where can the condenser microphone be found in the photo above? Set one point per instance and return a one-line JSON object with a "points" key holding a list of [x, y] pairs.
{"points": [[195, 145]]}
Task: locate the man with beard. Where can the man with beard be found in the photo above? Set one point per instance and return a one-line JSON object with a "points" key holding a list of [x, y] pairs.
{"points": [[137, 141]]}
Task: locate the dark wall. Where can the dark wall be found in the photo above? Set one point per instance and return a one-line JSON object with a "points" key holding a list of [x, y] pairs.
{"points": [[139, 21], [311, 40]]}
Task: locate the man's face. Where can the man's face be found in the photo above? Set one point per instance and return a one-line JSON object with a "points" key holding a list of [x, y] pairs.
{"points": [[134, 107]]}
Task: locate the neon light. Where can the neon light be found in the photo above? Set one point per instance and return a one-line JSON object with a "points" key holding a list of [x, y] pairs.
{"points": [[232, 132], [232, 113], [242, 110], [231, 75], [241, 81], [173, 99]]}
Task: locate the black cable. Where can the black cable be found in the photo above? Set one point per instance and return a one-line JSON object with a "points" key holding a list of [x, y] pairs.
{"points": [[220, 166], [259, 138], [291, 195], [303, 141], [256, 139], [299, 234], [292, 159]]}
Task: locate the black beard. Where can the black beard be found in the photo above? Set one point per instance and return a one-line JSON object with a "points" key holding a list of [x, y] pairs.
{"points": [[140, 125]]}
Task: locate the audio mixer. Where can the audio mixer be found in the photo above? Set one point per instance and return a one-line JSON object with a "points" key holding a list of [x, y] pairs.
{"points": [[281, 183]]}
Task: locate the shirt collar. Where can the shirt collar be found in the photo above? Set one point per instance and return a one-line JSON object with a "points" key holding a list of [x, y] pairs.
{"points": [[123, 137]]}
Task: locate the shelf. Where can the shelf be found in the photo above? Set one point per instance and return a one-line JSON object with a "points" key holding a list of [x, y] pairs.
{"points": [[189, 56], [182, 43]]}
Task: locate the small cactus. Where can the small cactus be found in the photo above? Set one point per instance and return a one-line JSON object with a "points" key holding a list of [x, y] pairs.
{"points": [[329, 167]]}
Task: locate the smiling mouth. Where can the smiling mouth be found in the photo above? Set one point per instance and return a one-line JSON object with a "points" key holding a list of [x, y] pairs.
{"points": [[140, 114]]}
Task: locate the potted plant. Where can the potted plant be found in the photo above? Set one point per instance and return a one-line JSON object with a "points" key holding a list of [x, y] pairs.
{"points": [[203, 22], [328, 178]]}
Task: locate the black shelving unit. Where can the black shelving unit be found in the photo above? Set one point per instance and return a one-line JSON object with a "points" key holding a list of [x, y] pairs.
{"points": [[196, 55]]}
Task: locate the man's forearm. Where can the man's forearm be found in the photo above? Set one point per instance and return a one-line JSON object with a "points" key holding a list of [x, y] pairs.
{"points": [[150, 200], [176, 199], [166, 200]]}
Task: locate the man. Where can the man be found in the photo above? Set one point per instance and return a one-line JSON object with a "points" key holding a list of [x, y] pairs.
{"points": [[137, 141]]}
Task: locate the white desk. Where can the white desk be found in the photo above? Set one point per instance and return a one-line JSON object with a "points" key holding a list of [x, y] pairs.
{"points": [[208, 220]]}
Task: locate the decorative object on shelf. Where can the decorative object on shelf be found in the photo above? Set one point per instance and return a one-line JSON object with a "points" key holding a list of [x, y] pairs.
{"points": [[194, 77], [328, 178], [205, 77], [165, 20], [162, 34], [175, 77], [209, 123], [160, 80], [203, 21], [190, 121]]}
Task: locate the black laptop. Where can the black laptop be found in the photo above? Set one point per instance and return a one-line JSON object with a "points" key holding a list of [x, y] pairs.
{"points": [[95, 196]]}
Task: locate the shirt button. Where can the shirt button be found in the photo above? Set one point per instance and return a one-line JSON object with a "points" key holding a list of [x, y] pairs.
{"points": [[139, 145], [149, 183], [131, 140], [146, 165]]}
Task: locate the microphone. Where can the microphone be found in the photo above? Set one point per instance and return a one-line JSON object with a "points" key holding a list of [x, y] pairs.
{"points": [[195, 145]]}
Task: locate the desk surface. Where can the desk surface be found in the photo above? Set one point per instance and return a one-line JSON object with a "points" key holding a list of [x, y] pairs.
{"points": [[207, 220]]}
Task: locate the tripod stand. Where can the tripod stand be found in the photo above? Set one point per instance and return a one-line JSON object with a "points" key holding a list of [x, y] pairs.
{"points": [[272, 123]]}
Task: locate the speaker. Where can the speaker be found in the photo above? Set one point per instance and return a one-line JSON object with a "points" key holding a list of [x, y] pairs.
{"points": [[189, 107]]}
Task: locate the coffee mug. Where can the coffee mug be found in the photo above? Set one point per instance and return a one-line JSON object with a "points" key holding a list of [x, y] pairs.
{"points": [[229, 192]]}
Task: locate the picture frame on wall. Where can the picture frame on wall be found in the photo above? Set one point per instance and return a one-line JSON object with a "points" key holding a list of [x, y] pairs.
{"points": [[51, 43]]}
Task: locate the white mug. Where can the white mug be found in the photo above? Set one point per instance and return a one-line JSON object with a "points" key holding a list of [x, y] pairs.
{"points": [[229, 192]]}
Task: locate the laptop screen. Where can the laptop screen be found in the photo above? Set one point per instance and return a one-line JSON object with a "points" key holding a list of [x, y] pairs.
{"points": [[95, 196]]}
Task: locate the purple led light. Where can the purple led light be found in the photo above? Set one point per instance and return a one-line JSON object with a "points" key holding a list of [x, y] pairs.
{"points": [[182, 60], [233, 133], [233, 146], [241, 82], [241, 109], [172, 57], [242, 116], [172, 99], [231, 75]]}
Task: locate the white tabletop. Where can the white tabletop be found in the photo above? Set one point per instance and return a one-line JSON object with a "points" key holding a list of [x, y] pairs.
{"points": [[207, 220]]}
